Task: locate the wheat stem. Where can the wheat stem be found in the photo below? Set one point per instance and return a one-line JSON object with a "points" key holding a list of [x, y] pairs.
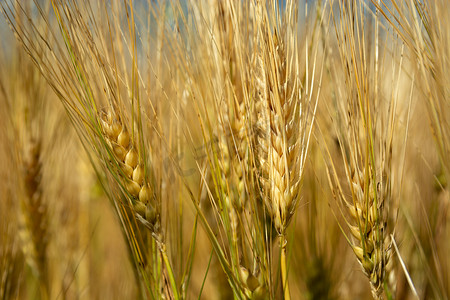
{"points": [[162, 250], [284, 279]]}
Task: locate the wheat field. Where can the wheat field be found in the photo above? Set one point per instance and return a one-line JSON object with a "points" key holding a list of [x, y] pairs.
{"points": [[224, 149]]}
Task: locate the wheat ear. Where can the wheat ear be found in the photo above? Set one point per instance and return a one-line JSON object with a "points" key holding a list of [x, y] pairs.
{"points": [[35, 216], [130, 167], [278, 144], [368, 226]]}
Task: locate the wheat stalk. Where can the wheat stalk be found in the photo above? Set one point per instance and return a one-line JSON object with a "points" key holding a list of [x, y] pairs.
{"points": [[131, 174], [278, 144], [284, 114], [229, 156], [365, 130]]}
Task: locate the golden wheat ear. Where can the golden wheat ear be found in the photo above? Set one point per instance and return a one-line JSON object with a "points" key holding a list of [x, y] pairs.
{"points": [[131, 169]]}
